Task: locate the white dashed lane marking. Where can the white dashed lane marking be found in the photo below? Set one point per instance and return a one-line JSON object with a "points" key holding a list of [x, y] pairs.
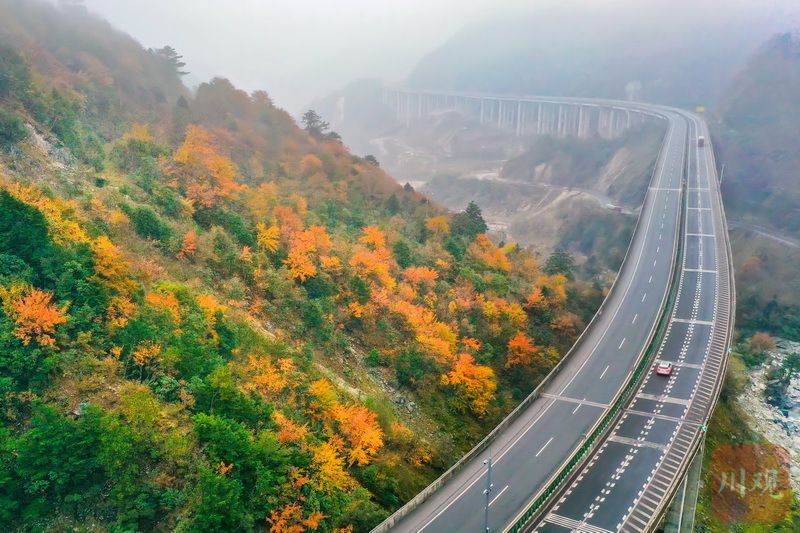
{"points": [[498, 495], [543, 447]]}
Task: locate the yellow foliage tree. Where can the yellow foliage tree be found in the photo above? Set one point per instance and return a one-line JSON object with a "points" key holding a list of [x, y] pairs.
{"points": [[492, 256], [438, 226], [268, 238], [329, 470], [140, 133], [201, 172], [144, 353], [475, 385], [364, 436]]}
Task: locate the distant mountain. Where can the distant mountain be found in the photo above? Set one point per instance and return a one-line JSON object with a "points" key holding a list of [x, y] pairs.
{"points": [[679, 52], [758, 131]]}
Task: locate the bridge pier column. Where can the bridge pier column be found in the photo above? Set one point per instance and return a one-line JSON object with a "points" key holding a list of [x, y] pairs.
{"points": [[581, 122], [539, 120], [499, 114]]}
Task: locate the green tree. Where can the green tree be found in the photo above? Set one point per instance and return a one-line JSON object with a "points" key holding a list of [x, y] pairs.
{"points": [[57, 459], [403, 254], [15, 77], [393, 204], [23, 230], [10, 485], [318, 128], [219, 507], [172, 57], [469, 223], [560, 262], [314, 125], [181, 118], [147, 223], [12, 129]]}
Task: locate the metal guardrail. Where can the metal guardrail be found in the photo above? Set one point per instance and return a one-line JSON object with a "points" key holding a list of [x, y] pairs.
{"points": [[417, 500]]}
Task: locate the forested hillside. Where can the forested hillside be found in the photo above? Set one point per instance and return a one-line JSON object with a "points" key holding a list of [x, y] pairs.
{"points": [[756, 138], [203, 306], [759, 121]]}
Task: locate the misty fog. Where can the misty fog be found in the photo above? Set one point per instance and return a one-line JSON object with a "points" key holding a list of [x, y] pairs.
{"points": [[298, 51]]}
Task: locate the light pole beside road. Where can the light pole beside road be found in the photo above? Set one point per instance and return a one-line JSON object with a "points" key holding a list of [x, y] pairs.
{"points": [[487, 491]]}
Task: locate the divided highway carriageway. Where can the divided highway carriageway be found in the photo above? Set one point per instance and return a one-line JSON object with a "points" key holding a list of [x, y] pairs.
{"points": [[603, 442]]}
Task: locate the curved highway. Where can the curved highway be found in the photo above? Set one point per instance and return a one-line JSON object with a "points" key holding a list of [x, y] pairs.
{"points": [[631, 476], [527, 454]]}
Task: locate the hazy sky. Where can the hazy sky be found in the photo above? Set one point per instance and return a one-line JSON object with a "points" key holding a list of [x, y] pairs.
{"points": [[294, 49], [301, 49]]}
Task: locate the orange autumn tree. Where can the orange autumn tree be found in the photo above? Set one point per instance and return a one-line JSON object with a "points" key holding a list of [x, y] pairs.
{"points": [[189, 247], [421, 276], [271, 379], [290, 519], [307, 249], [36, 317], [201, 172], [357, 424], [437, 338], [521, 350], [492, 256], [310, 164], [373, 260], [364, 436], [549, 291], [475, 385]]}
